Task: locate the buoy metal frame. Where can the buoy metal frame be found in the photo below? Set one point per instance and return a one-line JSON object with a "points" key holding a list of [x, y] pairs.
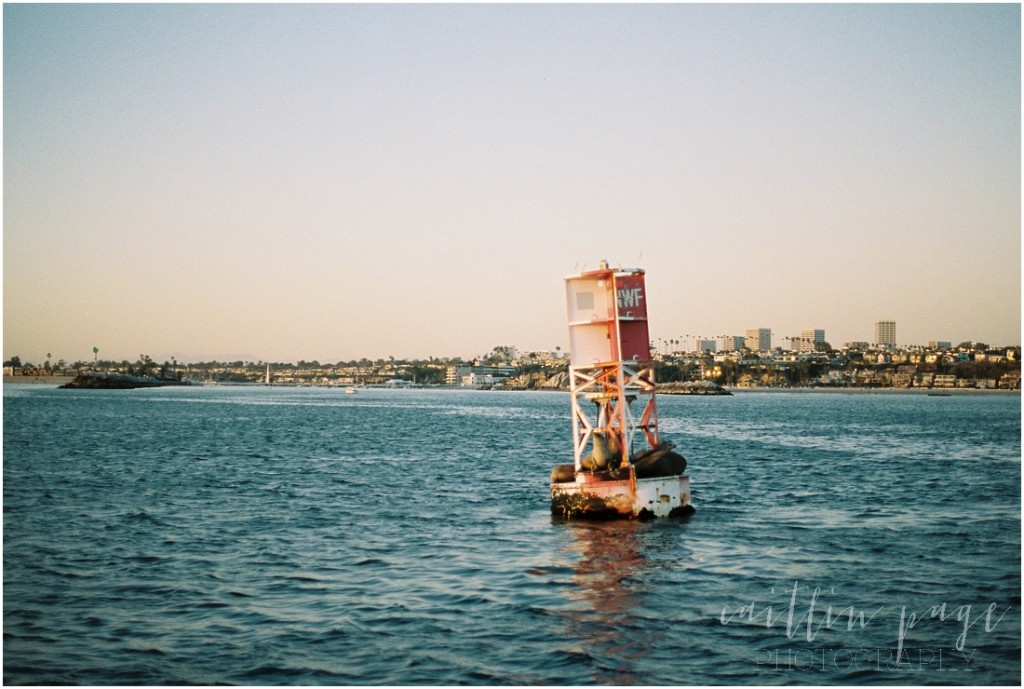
{"points": [[611, 367]]}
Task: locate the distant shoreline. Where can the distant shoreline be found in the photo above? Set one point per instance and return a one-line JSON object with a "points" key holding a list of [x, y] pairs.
{"points": [[38, 380], [881, 391], [61, 380]]}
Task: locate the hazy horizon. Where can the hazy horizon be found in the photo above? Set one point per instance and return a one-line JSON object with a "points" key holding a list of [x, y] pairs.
{"points": [[331, 182]]}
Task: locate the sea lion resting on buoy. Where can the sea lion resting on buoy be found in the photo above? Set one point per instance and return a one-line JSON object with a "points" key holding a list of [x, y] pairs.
{"points": [[602, 453], [606, 451], [563, 473], [663, 445], [663, 462]]}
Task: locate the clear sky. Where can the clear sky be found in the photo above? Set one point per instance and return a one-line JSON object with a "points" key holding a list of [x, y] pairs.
{"points": [[284, 182]]}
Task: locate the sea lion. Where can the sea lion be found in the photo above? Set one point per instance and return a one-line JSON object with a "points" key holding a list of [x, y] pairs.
{"points": [[663, 445], [660, 463], [602, 452], [563, 473]]}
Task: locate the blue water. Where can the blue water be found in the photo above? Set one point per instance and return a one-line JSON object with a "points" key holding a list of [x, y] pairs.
{"points": [[304, 536]]}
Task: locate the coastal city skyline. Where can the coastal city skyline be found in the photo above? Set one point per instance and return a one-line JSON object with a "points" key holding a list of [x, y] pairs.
{"points": [[754, 340], [330, 182]]}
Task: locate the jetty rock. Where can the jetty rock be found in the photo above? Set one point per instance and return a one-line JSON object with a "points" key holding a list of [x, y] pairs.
{"points": [[93, 380], [559, 381]]}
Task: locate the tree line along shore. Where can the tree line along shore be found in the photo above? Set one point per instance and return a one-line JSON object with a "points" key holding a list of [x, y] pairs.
{"points": [[971, 366]]}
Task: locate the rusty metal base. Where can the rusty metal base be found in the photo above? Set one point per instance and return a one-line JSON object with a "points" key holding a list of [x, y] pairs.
{"points": [[590, 497]]}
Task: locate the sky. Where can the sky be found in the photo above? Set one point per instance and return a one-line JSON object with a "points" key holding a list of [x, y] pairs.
{"points": [[285, 182]]}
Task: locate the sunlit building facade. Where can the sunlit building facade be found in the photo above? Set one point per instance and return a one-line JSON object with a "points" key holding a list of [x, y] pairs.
{"points": [[810, 340], [885, 333], [758, 339]]}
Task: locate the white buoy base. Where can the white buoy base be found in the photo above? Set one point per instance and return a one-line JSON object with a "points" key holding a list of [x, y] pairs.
{"points": [[591, 497]]}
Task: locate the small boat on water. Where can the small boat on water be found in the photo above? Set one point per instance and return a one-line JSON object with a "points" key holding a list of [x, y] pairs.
{"points": [[350, 390], [622, 468]]}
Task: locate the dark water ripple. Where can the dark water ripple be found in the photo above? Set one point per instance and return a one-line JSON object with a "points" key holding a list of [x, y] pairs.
{"points": [[302, 536]]}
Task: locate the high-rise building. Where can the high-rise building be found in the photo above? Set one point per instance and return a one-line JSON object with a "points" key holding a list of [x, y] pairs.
{"points": [[708, 346], [885, 333], [758, 339], [810, 339], [730, 343]]}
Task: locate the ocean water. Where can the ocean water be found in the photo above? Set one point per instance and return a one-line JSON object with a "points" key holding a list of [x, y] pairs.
{"points": [[253, 535]]}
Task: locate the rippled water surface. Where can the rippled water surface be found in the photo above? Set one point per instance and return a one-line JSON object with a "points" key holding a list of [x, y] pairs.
{"points": [[305, 536]]}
